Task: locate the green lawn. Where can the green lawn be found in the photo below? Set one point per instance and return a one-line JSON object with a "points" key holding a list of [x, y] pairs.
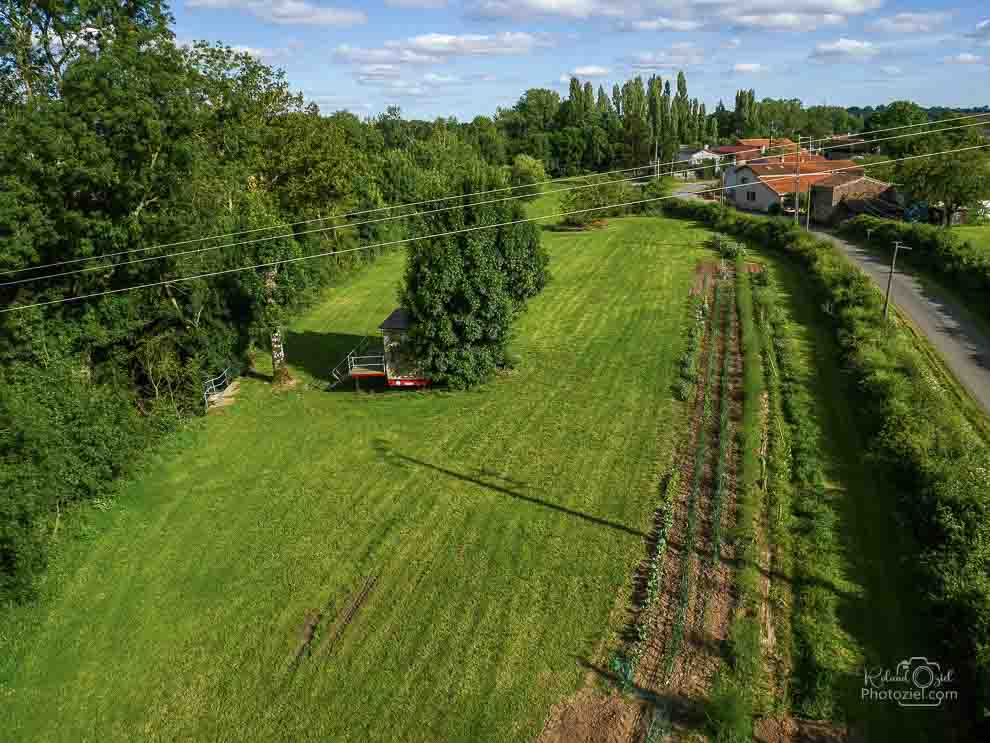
{"points": [[503, 523], [979, 235]]}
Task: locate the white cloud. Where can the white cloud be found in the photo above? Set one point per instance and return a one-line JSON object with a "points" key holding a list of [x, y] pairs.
{"points": [[684, 15], [435, 79], [425, 4], [257, 52], [590, 71], [663, 24], [370, 73], [359, 55], [910, 23], [892, 70], [456, 45], [982, 31], [732, 44], [435, 48], [748, 67], [679, 55], [844, 49], [531, 8], [288, 12], [783, 21], [966, 58]]}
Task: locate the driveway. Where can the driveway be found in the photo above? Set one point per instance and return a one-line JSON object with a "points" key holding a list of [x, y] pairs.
{"points": [[963, 345], [691, 190]]}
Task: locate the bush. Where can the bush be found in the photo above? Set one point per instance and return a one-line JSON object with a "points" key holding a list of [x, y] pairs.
{"points": [[956, 262], [597, 201], [66, 440], [528, 174]]}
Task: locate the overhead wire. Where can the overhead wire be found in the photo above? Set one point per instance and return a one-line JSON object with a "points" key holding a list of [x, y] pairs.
{"points": [[333, 228], [474, 228], [648, 167]]}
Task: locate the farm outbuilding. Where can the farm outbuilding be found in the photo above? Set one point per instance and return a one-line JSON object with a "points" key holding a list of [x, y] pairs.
{"points": [[389, 357], [846, 187]]}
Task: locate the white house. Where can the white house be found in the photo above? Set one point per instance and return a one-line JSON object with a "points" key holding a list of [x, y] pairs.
{"points": [[690, 160]]}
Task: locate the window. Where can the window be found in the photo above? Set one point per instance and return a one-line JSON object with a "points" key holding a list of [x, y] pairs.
{"points": [[751, 196], [745, 180]]}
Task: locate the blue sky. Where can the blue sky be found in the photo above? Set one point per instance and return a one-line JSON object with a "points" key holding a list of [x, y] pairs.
{"points": [[468, 57]]}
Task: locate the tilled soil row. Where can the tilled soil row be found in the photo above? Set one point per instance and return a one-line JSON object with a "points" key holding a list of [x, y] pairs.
{"points": [[649, 674], [710, 608]]}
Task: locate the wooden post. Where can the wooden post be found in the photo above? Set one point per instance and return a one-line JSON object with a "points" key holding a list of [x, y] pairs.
{"points": [[890, 276]]}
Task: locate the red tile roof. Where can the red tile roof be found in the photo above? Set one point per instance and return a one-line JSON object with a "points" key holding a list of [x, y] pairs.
{"points": [[766, 142], [779, 177], [803, 156], [733, 149]]}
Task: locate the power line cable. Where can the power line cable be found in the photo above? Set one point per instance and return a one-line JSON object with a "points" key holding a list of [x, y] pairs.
{"points": [[462, 230], [792, 146], [334, 228]]}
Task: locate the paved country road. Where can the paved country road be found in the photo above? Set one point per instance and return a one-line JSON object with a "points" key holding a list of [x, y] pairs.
{"points": [[963, 345]]}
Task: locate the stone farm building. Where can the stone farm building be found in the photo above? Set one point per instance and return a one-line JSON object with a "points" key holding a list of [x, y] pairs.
{"points": [[847, 193], [762, 186]]}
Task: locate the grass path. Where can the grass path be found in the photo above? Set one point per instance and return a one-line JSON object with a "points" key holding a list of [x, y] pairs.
{"points": [[873, 584], [501, 522]]}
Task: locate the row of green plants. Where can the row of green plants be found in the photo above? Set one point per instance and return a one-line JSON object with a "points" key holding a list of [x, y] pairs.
{"points": [[691, 530], [949, 258], [739, 693], [929, 454], [625, 664], [725, 445], [687, 375]]}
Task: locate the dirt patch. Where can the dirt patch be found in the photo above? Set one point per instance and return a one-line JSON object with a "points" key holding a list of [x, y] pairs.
{"points": [[345, 617], [710, 609], [754, 267], [793, 730], [592, 717], [704, 272], [306, 634]]}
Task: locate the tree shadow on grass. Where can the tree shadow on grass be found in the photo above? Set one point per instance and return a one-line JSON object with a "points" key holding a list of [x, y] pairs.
{"points": [[398, 459], [318, 353]]}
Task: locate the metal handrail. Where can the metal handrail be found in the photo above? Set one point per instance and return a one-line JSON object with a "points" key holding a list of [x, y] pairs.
{"points": [[369, 361], [218, 384]]}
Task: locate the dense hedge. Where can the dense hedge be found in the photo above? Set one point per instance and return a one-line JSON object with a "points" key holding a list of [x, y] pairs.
{"points": [[65, 439], [930, 455], [954, 261]]}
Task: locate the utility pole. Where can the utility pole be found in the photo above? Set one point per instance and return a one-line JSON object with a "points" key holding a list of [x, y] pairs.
{"points": [[656, 157], [797, 183], [890, 277]]}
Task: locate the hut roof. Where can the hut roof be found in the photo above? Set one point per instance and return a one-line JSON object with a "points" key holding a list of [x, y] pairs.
{"points": [[398, 320]]}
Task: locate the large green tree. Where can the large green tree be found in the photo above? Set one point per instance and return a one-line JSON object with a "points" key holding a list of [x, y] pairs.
{"points": [[465, 290]]}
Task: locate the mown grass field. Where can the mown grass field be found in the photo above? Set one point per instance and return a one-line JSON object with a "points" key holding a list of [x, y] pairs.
{"points": [[979, 235], [503, 524]]}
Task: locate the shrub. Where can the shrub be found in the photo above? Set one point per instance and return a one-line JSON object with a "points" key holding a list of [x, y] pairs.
{"points": [[956, 262], [527, 173], [66, 440]]}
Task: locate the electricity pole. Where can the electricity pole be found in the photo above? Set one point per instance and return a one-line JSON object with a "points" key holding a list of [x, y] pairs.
{"points": [[797, 183], [890, 277], [656, 156]]}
